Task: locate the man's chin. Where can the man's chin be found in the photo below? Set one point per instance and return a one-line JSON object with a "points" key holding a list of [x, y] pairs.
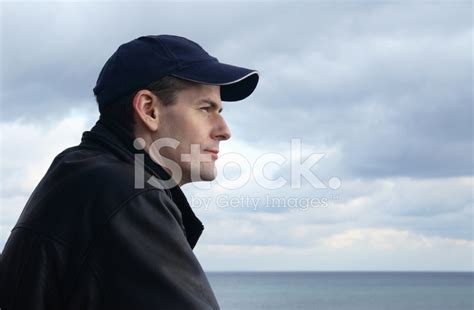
{"points": [[205, 175], [205, 178], [208, 174]]}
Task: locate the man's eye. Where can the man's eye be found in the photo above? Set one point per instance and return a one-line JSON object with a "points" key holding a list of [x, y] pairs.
{"points": [[205, 109]]}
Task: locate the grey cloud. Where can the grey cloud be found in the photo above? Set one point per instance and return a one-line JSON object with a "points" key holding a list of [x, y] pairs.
{"points": [[71, 41], [391, 83]]}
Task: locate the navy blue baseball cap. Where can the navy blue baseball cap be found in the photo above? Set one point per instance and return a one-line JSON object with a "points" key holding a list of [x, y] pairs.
{"points": [[142, 61]]}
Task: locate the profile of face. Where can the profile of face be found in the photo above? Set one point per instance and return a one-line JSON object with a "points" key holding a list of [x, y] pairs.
{"points": [[189, 132]]}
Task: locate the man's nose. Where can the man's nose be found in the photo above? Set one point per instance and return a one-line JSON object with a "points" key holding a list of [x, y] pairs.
{"points": [[222, 131]]}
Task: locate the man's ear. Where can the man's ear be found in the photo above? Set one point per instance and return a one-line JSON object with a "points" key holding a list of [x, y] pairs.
{"points": [[146, 106]]}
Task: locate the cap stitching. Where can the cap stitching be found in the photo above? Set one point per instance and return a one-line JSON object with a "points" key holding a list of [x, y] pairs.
{"points": [[168, 51]]}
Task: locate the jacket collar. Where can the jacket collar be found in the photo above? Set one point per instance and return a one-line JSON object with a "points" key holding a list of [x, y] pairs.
{"points": [[111, 135]]}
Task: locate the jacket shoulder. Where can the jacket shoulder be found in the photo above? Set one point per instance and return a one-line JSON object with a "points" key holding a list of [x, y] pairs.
{"points": [[80, 191]]}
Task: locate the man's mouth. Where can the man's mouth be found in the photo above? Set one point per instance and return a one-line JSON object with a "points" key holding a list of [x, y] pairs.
{"points": [[213, 153]]}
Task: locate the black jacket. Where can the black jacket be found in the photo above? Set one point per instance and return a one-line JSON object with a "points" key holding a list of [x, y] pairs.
{"points": [[89, 239]]}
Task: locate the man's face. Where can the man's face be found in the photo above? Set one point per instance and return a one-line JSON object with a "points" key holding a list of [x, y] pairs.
{"points": [[194, 119]]}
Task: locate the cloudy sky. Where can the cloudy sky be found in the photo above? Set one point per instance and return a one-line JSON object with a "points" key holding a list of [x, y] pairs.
{"points": [[379, 95]]}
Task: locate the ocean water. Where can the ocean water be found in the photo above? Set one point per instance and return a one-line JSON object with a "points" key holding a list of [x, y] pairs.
{"points": [[344, 290]]}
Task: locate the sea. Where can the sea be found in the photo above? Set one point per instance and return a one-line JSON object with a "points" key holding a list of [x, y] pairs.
{"points": [[344, 290]]}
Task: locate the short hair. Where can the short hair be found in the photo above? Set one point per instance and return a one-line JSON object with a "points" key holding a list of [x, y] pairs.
{"points": [[165, 89]]}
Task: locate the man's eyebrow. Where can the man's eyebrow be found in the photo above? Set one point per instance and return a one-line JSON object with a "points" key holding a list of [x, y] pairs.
{"points": [[213, 104]]}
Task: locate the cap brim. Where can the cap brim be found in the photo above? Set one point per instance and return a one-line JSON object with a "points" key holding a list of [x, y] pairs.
{"points": [[236, 83]]}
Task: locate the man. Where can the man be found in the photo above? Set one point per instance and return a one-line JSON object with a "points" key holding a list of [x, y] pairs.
{"points": [[108, 226]]}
